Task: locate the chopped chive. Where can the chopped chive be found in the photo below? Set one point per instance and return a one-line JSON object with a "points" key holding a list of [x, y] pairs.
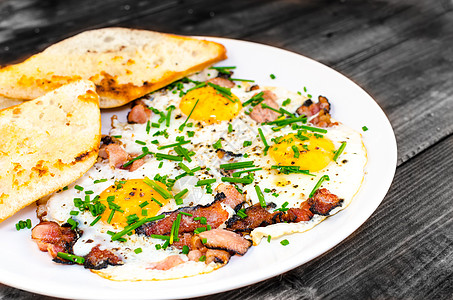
{"points": [[266, 145], [161, 237], [221, 68], [237, 180], [241, 213], [184, 152], [203, 84], [296, 151], [100, 180], [71, 257], [143, 204], [314, 129], [158, 247], [272, 76], [217, 145], [181, 194], [117, 136], [163, 192], [160, 165], [185, 168], [339, 151], [73, 213], [318, 184], [157, 201], [138, 250], [148, 126], [155, 125], [230, 128], [111, 216], [95, 220], [286, 102], [134, 226], [140, 142], [205, 181], [202, 258], [78, 187], [264, 105], [185, 249], [260, 195], [238, 173], [167, 118], [28, 222], [244, 80], [309, 96], [284, 242], [190, 133], [185, 213], [291, 169], [284, 122], [173, 145], [364, 128], [237, 165], [72, 223], [146, 152], [269, 238], [181, 128], [155, 142], [255, 100], [199, 230], [168, 156], [144, 212], [246, 143], [65, 188]]}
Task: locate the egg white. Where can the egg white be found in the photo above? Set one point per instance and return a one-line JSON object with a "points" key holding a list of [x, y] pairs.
{"points": [[345, 175]]}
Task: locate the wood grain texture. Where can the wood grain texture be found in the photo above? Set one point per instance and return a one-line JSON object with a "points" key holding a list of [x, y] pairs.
{"points": [[400, 51]]}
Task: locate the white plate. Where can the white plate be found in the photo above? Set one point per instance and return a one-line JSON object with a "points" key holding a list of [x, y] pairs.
{"points": [[25, 267]]}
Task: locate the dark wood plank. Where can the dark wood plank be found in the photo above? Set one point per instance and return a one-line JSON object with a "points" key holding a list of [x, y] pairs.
{"points": [[404, 251]]}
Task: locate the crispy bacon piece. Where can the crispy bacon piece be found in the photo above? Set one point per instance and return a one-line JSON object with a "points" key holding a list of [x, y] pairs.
{"points": [[117, 156], [166, 264], [217, 256], [300, 214], [53, 238], [194, 255], [184, 239], [136, 164], [214, 213], [323, 202], [258, 216], [231, 196], [260, 114], [221, 239], [139, 113], [99, 259], [223, 82], [322, 108]]}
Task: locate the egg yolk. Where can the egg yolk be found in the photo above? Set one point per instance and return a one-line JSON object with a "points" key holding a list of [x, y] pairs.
{"points": [[128, 196], [212, 107], [309, 152]]}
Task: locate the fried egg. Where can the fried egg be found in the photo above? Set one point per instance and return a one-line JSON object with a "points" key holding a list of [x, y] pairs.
{"points": [[209, 120]]}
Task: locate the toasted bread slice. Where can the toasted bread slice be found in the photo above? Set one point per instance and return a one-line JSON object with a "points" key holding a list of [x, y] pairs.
{"points": [[47, 143], [125, 64], [8, 102]]}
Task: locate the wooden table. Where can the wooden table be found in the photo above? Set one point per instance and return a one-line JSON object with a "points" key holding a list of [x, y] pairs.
{"points": [[400, 51]]}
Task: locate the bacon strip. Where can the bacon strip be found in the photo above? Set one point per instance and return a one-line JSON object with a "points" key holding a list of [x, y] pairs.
{"points": [[322, 108], [117, 156], [223, 82], [166, 264], [221, 239], [214, 213], [323, 202], [99, 259], [51, 237], [260, 114], [139, 113]]}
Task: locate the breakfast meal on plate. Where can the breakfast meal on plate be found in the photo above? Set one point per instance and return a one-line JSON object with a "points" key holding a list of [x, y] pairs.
{"points": [[203, 167], [124, 64], [38, 154], [201, 171]]}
